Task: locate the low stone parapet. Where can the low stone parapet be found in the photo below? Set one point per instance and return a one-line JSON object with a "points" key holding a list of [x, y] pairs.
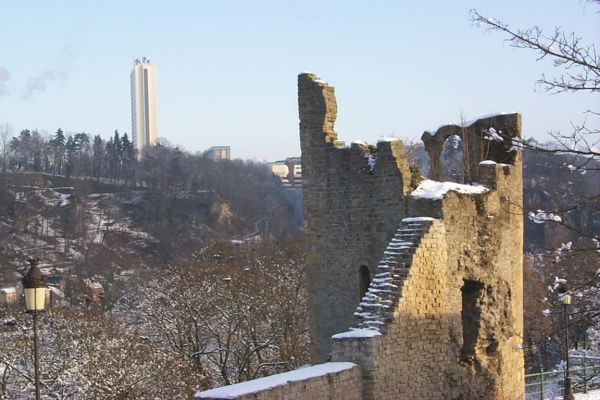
{"points": [[328, 381]]}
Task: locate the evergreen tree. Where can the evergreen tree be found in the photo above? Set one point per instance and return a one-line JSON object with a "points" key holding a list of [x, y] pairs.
{"points": [[36, 147], [128, 156], [82, 147], [58, 148], [128, 153], [21, 147], [71, 150], [111, 161], [117, 146], [98, 155]]}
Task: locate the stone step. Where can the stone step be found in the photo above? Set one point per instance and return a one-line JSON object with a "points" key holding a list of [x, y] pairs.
{"points": [[373, 308], [403, 257], [386, 285], [388, 278], [407, 236], [413, 240], [377, 306], [379, 292], [411, 231], [401, 247], [417, 223]]}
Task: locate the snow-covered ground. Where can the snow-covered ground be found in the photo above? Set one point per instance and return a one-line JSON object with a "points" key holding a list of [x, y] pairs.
{"points": [[43, 233], [595, 395]]}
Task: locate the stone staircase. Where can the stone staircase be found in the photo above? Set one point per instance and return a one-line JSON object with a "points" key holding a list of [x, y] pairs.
{"points": [[376, 308]]}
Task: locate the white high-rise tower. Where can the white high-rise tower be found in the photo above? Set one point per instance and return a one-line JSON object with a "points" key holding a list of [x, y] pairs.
{"points": [[143, 105]]}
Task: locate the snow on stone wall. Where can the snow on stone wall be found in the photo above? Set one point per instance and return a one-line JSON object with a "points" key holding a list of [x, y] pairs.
{"points": [[333, 380]]}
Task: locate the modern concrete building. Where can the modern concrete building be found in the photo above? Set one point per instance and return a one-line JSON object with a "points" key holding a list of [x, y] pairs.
{"points": [[289, 171], [218, 153], [143, 105]]}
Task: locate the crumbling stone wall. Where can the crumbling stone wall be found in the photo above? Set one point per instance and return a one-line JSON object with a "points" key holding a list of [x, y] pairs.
{"points": [[337, 384], [453, 325], [481, 140], [352, 205], [484, 239], [455, 329]]}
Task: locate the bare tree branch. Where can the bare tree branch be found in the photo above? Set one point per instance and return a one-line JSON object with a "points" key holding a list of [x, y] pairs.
{"points": [[580, 61]]}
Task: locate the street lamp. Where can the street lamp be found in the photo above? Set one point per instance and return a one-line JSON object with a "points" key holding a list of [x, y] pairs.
{"points": [[34, 286], [565, 299]]}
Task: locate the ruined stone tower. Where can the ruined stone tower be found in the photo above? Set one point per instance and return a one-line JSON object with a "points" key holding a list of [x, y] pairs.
{"points": [[445, 291], [426, 275]]}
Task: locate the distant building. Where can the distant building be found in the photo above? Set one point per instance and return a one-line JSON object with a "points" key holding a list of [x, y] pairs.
{"points": [[289, 171], [281, 170], [218, 153], [8, 295], [295, 175], [143, 105]]}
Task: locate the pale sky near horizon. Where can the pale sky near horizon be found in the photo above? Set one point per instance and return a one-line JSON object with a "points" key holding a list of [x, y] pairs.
{"points": [[227, 70]]}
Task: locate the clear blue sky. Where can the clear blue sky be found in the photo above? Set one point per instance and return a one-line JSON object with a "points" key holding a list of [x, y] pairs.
{"points": [[226, 70]]}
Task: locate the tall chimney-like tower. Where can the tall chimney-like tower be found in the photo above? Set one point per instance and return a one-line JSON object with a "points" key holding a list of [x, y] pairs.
{"points": [[143, 105]]}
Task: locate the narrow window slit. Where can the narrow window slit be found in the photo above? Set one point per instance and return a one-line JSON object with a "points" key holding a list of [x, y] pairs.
{"points": [[364, 276]]}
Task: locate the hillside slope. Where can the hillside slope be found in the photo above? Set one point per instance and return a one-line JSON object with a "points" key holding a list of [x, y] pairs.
{"points": [[89, 227]]}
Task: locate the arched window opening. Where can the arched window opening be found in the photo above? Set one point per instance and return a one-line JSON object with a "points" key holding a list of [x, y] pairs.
{"points": [[364, 276]]}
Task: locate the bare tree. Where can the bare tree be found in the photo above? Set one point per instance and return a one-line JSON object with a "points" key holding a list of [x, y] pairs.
{"points": [[89, 354], [578, 66], [233, 316]]}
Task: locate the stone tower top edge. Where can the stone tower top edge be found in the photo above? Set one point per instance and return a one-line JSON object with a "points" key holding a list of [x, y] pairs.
{"points": [[513, 117], [317, 108], [318, 112]]}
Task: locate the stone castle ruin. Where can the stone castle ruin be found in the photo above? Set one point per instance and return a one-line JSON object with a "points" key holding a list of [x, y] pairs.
{"points": [[415, 286]]}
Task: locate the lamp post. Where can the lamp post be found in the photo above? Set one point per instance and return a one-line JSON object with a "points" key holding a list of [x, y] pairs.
{"points": [[34, 286], [565, 298]]}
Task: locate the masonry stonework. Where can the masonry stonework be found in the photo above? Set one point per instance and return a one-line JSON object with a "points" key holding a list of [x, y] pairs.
{"points": [[429, 280], [351, 210], [447, 296], [329, 381]]}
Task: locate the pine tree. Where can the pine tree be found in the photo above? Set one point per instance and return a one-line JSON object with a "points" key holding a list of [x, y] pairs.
{"points": [[58, 148], [128, 156], [71, 150], [98, 155]]}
